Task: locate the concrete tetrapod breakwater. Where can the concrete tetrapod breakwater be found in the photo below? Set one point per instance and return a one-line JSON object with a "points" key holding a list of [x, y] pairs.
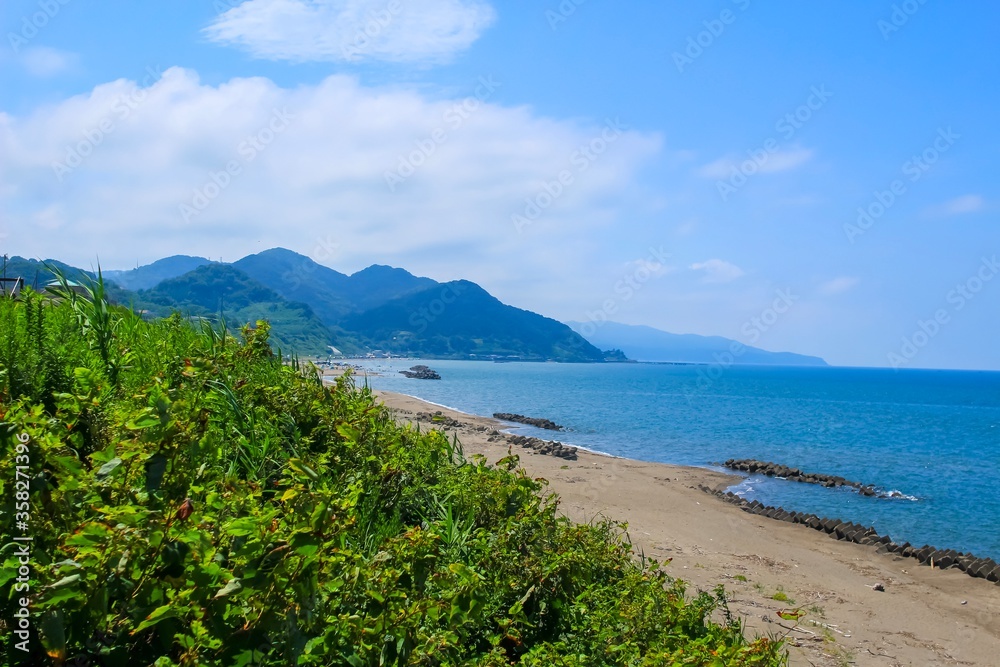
{"points": [[546, 447], [530, 421], [974, 566], [795, 475]]}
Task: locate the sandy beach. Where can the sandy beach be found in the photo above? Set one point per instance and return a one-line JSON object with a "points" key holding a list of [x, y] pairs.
{"points": [[924, 617]]}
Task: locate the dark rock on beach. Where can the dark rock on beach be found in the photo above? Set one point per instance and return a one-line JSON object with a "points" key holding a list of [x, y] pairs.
{"points": [[531, 421], [551, 447]]}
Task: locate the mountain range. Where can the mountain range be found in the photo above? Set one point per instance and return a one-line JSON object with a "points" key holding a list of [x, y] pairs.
{"points": [[643, 343], [313, 308]]}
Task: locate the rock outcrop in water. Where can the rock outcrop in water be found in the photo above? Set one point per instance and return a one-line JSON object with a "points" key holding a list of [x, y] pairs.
{"points": [[796, 475], [421, 372], [983, 568], [531, 421]]}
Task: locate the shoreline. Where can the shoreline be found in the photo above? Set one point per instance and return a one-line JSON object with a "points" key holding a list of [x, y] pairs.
{"points": [[923, 617]]}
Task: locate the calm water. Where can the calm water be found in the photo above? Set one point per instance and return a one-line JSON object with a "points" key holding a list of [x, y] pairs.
{"points": [[933, 435]]}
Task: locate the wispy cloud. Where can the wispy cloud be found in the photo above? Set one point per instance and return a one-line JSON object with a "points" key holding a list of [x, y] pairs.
{"points": [[43, 61], [838, 285], [426, 31], [782, 160], [718, 271], [959, 206]]}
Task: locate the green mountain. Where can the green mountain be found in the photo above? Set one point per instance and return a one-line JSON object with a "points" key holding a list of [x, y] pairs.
{"points": [[371, 287], [459, 319], [311, 307], [332, 295], [151, 275], [214, 288], [298, 278]]}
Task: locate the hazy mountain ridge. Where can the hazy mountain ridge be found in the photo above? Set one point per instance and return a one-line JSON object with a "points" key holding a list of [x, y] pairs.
{"points": [[151, 275], [645, 343], [312, 307]]}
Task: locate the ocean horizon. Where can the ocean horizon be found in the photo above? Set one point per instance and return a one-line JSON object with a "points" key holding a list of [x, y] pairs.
{"points": [[930, 436]]}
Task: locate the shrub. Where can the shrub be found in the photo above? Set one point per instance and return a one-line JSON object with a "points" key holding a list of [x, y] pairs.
{"points": [[193, 501]]}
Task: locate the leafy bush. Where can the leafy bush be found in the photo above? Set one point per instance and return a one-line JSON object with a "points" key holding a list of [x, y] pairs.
{"points": [[196, 502]]}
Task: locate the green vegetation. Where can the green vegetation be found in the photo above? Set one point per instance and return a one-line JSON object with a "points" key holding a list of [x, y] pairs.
{"points": [[781, 596], [212, 289], [193, 501]]}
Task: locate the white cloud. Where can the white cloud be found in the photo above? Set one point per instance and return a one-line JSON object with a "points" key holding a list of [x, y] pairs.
{"points": [[962, 205], [838, 285], [782, 160], [718, 271], [353, 30], [42, 61], [143, 153]]}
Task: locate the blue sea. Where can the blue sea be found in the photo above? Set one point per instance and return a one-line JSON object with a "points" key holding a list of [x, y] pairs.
{"points": [[933, 436]]}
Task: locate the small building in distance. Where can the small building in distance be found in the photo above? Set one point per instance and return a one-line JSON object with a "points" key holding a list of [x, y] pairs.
{"points": [[53, 288], [12, 286]]}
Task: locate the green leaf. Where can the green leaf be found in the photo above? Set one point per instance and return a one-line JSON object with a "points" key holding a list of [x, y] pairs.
{"points": [[53, 635], [108, 468], [69, 465], [234, 586], [305, 544], [66, 581], [348, 432], [303, 470], [156, 466], [158, 614], [241, 527], [145, 420]]}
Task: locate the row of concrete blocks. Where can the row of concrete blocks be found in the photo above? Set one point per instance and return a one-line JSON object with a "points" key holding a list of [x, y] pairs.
{"points": [[984, 568]]}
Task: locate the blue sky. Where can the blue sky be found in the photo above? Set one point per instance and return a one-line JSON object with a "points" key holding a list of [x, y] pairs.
{"points": [[811, 177]]}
